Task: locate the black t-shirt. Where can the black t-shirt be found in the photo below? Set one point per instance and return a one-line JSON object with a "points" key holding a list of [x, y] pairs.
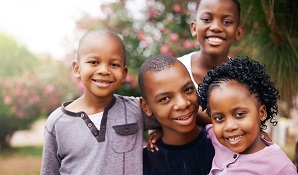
{"points": [[194, 158]]}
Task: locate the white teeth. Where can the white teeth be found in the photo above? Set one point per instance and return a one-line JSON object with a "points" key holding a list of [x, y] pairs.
{"points": [[182, 118], [215, 40], [102, 82], [234, 139]]}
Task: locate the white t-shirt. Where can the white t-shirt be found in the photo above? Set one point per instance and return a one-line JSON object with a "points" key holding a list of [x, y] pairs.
{"points": [[186, 60], [96, 119]]}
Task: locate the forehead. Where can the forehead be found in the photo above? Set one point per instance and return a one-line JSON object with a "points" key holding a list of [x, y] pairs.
{"points": [[169, 79], [218, 7], [103, 45], [232, 87]]}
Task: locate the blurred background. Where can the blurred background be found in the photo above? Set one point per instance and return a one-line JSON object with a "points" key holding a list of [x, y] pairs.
{"points": [[38, 41]]}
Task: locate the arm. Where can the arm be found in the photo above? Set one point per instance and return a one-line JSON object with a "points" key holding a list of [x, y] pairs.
{"points": [[50, 161], [152, 139]]}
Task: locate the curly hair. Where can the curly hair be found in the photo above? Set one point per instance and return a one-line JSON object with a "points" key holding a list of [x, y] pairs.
{"points": [[247, 72]]}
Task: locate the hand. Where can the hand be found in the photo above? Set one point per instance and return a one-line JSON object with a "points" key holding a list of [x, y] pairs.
{"points": [[152, 138], [265, 136]]}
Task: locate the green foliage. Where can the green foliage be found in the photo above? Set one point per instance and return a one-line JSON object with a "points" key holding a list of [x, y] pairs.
{"points": [[30, 87], [30, 151], [15, 59], [272, 38]]}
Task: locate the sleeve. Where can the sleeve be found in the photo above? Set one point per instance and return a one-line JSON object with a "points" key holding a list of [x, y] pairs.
{"points": [[289, 169], [150, 122], [50, 160]]}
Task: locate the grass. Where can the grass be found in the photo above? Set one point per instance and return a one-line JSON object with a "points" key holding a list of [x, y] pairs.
{"points": [[30, 151], [21, 161]]}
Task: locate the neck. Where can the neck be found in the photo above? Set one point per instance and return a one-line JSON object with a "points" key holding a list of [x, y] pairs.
{"points": [[171, 137], [92, 105], [211, 61]]}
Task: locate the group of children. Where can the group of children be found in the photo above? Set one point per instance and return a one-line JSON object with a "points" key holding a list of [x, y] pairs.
{"points": [[102, 132]]}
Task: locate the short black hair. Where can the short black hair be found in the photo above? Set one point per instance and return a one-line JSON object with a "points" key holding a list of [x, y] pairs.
{"points": [[235, 1], [98, 33], [156, 63], [247, 72]]}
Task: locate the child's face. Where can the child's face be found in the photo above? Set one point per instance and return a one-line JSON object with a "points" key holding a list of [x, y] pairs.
{"points": [[236, 116], [101, 67], [216, 26], [172, 99]]}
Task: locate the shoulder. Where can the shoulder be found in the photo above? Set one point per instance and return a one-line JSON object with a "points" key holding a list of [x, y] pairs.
{"points": [[54, 117], [128, 100], [186, 58]]}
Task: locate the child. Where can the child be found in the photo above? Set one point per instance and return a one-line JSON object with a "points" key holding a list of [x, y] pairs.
{"points": [[216, 26], [240, 98], [184, 147], [100, 132]]}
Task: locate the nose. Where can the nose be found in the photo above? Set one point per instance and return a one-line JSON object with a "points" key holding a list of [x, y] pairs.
{"points": [[215, 26], [181, 103], [230, 124], [103, 69]]}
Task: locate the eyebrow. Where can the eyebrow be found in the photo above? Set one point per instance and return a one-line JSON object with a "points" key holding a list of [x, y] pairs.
{"points": [[167, 93], [210, 13]]}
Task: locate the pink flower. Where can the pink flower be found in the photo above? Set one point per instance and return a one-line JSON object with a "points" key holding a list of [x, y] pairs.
{"points": [[164, 49], [140, 36], [164, 31], [7, 100], [174, 37], [152, 13], [188, 44], [49, 89], [177, 8]]}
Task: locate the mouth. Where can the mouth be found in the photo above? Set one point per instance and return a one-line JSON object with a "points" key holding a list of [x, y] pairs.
{"points": [[106, 82], [234, 139], [214, 40], [182, 118]]}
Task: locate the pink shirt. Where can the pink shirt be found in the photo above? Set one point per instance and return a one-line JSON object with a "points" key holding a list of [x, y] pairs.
{"points": [[270, 160]]}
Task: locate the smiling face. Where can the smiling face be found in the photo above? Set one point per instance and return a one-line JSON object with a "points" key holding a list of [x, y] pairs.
{"points": [[236, 116], [101, 66], [216, 26], [171, 97]]}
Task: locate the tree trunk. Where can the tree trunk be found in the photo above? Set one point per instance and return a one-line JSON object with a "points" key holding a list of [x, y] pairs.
{"points": [[5, 142]]}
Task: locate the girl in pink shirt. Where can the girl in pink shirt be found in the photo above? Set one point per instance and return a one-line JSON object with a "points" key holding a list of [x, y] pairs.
{"points": [[240, 98]]}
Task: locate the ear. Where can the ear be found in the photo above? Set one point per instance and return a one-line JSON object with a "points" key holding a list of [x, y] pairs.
{"points": [[193, 28], [145, 107], [125, 71], [263, 112], [76, 68], [240, 33]]}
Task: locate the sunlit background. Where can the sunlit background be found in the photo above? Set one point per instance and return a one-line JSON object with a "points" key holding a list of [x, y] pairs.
{"points": [[38, 40]]}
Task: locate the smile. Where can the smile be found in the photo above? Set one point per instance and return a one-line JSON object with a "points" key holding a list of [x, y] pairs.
{"points": [[234, 139], [102, 82], [185, 118], [214, 40]]}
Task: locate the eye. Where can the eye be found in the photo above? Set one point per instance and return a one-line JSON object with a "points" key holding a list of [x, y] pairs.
{"points": [[93, 62], [240, 114], [164, 100], [227, 22], [206, 19], [218, 118], [115, 65], [189, 90]]}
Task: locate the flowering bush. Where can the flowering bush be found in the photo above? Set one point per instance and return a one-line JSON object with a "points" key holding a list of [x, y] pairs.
{"points": [[30, 88]]}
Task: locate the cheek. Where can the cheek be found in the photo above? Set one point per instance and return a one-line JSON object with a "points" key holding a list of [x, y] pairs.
{"points": [[218, 129]]}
